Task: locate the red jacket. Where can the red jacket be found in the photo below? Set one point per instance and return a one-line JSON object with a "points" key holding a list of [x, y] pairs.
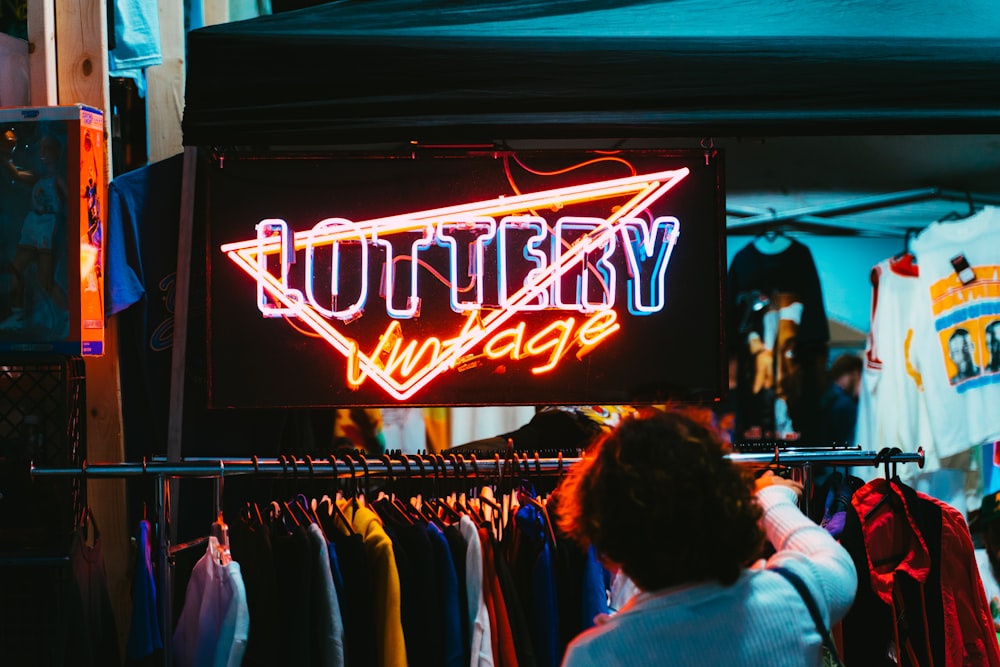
{"points": [[920, 600]]}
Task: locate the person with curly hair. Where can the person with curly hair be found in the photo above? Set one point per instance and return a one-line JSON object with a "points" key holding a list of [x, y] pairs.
{"points": [[658, 499]]}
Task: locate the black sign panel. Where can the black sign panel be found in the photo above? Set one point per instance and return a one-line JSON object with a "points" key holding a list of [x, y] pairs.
{"points": [[517, 278]]}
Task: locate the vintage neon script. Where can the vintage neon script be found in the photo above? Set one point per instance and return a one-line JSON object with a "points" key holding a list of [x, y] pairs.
{"points": [[403, 368]]}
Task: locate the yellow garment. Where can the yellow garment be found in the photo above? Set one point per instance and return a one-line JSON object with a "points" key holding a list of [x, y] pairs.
{"points": [[363, 427], [391, 647], [436, 422]]}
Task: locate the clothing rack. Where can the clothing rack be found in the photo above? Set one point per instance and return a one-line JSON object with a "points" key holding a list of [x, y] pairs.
{"points": [[448, 467]]}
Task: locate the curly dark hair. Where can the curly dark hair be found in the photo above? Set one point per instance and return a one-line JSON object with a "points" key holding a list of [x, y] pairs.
{"points": [[658, 497]]}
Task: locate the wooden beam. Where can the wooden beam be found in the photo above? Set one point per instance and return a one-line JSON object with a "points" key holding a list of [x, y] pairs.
{"points": [[165, 86], [42, 53], [216, 11]]}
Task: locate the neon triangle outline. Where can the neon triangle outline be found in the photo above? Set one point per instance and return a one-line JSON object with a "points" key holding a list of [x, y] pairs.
{"points": [[647, 189]]}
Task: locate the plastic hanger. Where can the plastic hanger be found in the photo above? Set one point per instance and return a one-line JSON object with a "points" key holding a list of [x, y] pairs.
{"points": [[255, 515], [353, 486], [961, 215], [411, 506], [220, 531], [884, 457], [772, 242], [334, 507], [386, 505], [289, 514], [366, 491], [910, 235], [525, 498], [333, 513], [444, 508], [428, 513]]}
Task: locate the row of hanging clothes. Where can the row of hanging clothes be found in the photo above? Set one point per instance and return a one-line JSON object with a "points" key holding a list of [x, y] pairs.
{"points": [[920, 600], [409, 569], [522, 591]]}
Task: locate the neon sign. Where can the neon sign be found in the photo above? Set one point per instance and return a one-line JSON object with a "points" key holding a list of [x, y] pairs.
{"points": [[572, 268]]}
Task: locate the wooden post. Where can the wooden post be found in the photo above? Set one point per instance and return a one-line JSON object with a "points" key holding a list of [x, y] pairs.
{"points": [[81, 48], [82, 55]]}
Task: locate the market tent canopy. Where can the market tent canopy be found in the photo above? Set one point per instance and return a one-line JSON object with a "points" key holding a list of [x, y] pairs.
{"points": [[360, 71]]}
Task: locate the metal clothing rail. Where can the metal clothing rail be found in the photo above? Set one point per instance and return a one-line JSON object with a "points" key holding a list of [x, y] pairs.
{"points": [[413, 466], [835, 457], [438, 466], [829, 216], [423, 466]]}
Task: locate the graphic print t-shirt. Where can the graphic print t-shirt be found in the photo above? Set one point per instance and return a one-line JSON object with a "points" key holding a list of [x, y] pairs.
{"points": [[957, 329]]}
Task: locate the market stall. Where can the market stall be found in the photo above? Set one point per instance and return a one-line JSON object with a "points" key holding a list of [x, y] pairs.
{"points": [[319, 137]]}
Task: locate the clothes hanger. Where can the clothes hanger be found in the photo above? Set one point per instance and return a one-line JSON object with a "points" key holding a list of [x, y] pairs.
{"points": [[468, 494], [289, 514], [408, 505], [385, 505], [353, 486], [961, 215], [418, 503], [772, 240], [484, 495], [457, 494], [220, 531], [301, 504], [448, 495], [435, 500], [882, 457], [255, 514], [525, 498], [366, 492], [889, 459], [335, 509], [911, 233]]}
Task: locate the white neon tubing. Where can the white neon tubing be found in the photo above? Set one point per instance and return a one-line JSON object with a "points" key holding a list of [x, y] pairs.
{"points": [[487, 231], [354, 310]]}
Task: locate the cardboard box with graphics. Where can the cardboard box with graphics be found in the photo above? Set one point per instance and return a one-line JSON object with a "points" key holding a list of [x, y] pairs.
{"points": [[52, 191]]}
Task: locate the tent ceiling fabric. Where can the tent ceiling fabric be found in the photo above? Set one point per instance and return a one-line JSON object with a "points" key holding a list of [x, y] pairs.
{"points": [[813, 102], [432, 71]]}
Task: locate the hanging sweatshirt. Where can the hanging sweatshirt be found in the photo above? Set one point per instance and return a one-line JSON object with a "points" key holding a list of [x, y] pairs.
{"points": [[892, 410], [777, 334]]}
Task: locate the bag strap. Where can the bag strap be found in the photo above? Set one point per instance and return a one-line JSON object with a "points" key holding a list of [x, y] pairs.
{"points": [[807, 597]]}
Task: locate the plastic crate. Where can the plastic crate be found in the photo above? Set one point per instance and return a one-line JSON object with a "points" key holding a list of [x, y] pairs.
{"points": [[42, 412], [42, 415]]}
